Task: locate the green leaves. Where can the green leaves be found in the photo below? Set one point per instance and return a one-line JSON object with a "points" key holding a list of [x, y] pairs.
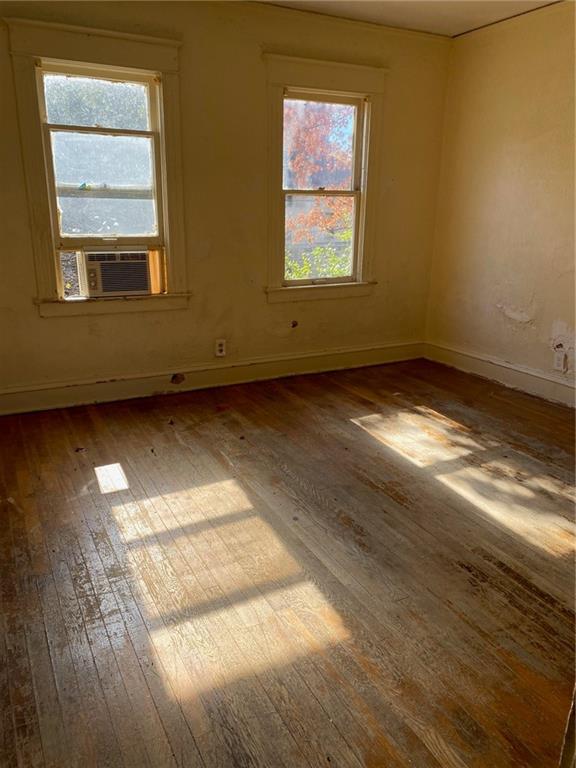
{"points": [[322, 261]]}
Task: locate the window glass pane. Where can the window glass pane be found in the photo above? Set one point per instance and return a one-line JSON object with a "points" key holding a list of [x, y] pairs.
{"points": [[70, 274], [319, 236], [104, 184], [97, 103], [318, 145]]}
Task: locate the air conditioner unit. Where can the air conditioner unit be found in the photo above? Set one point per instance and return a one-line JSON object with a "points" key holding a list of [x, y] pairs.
{"points": [[118, 273]]}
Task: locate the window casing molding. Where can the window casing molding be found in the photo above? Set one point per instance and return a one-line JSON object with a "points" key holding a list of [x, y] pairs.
{"points": [[340, 83], [32, 43]]}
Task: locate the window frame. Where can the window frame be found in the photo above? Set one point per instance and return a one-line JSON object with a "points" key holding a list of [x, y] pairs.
{"points": [[357, 190], [89, 51], [154, 83], [333, 82]]}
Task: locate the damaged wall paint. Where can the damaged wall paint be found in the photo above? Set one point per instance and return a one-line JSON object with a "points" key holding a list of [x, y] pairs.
{"points": [[562, 338], [563, 334], [515, 315], [502, 282]]}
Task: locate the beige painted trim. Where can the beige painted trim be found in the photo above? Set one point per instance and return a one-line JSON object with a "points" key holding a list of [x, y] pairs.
{"points": [[550, 386], [45, 395], [59, 394], [98, 46], [314, 292], [295, 71], [114, 306]]}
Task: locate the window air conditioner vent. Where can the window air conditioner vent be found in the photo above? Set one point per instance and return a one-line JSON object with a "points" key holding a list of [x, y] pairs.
{"points": [[118, 273], [101, 256]]}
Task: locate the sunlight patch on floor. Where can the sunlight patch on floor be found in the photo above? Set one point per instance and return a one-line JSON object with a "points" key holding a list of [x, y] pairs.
{"points": [[239, 578], [187, 511], [536, 518], [509, 505], [411, 435], [111, 478], [221, 650]]}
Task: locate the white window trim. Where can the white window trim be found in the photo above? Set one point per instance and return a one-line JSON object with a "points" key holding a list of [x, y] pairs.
{"points": [[31, 41], [154, 133], [288, 74], [358, 186]]}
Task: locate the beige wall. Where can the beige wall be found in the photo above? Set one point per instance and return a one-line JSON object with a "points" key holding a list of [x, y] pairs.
{"points": [[224, 111], [502, 283], [500, 220]]}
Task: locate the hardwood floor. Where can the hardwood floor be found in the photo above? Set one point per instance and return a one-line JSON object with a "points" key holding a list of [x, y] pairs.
{"points": [[364, 568]]}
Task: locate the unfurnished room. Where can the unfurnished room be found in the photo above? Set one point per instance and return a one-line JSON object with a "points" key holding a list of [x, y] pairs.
{"points": [[287, 384]]}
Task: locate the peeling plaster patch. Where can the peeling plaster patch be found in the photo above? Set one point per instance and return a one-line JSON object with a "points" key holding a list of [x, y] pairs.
{"points": [[562, 334], [562, 337], [516, 315]]}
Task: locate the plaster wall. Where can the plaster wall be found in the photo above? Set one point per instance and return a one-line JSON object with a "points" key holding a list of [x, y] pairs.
{"points": [[224, 113], [502, 281]]}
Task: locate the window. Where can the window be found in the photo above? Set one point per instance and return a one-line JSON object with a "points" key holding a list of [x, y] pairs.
{"points": [[100, 134], [101, 137], [325, 120], [322, 186]]}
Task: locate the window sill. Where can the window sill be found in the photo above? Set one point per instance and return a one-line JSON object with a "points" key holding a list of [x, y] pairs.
{"points": [[313, 292], [112, 306]]}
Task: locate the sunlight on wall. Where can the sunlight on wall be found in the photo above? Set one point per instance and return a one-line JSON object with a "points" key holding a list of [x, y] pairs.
{"points": [[111, 478], [456, 461], [220, 589]]}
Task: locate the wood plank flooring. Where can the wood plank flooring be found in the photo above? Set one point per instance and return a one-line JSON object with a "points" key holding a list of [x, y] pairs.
{"points": [[363, 568]]}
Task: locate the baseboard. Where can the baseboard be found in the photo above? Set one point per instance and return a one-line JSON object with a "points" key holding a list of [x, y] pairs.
{"points": [[550, 386], [47, 395]]}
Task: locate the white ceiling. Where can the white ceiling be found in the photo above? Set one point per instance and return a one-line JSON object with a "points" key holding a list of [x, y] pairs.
{"points": [[444, 17]]}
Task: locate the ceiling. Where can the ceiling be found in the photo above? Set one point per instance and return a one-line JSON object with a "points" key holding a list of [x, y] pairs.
{"points": [[443, 17]]}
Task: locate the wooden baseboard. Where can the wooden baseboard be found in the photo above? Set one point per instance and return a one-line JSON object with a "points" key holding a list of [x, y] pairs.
{"points": [[46, 395], [551, 386]]}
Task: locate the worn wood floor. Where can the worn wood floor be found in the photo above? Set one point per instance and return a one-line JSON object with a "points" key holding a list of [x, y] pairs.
{"points": [[364, 568]]}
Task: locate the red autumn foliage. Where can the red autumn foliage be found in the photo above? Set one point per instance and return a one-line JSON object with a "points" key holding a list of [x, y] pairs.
{"points": [[318, 155]]}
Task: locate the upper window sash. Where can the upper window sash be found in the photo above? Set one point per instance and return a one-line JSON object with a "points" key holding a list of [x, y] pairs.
{"points": [[152, 81], [361, 104]]}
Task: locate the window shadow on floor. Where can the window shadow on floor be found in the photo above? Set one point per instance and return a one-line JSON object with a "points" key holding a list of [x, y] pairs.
{"points": [[355, 565]]}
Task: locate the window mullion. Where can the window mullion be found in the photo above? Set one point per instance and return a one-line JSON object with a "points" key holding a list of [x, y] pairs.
{"points": [[322, 192], [113, 243], [99, 131]]}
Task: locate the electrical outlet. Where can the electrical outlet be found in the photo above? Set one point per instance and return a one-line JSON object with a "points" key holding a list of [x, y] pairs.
{"points": [[560, 359], [220, 348]]}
